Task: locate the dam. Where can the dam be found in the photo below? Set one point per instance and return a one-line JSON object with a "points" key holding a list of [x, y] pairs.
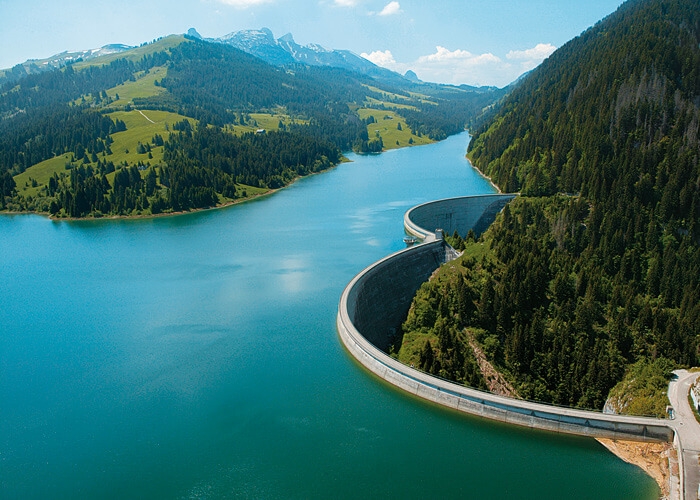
{"points": [[376, 301], [374, 304]]}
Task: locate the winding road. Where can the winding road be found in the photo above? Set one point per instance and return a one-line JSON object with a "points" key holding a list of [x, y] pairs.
{"points": [[687, 432]]}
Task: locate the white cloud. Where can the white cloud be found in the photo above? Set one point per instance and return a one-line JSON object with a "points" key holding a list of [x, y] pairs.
{"points": [[539, 52], [345, 3], [244, 4], [390, 9], [462, 67], [458, 66], [531, 58], [443, 55], [384, 59]]}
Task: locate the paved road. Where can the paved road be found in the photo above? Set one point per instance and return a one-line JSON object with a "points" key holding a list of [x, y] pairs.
{"points": [[688, 431]]}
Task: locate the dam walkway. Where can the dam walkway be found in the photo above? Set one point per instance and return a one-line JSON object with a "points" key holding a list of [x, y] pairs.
{"points": [[374, 304]]}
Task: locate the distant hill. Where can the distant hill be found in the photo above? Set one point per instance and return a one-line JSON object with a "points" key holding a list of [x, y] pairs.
{"points": [[597, 266], [259, 43], [34, 66], [184, 123]]}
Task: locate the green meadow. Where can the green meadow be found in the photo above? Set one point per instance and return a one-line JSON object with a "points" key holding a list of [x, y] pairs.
{"points": [[141, 127], [144, 86], [411, 346], [387, 124], [391, 99], [371, 101], [37, 176], [266, 121]]}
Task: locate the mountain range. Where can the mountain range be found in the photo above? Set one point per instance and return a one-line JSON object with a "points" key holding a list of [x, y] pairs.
{"points": [[34, 66], [284, 50], [77, 129], [259, 43]]}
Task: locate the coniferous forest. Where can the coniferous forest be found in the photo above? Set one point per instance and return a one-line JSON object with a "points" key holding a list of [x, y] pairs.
{"points": [[594, 272], [213, 152]]}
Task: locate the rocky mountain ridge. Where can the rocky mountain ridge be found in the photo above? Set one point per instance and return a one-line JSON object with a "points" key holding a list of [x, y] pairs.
{"points": [[285, 50]]}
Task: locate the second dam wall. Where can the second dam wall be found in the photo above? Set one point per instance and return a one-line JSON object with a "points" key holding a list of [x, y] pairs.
{"points": [[455, 214], [380, 300]]}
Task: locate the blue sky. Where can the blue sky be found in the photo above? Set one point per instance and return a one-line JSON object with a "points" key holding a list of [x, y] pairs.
{"points": [[447, 41]]}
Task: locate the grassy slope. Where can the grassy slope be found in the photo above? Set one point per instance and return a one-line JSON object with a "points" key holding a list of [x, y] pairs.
{"points": [[41, 172], [386, 121], [136, 53], [139, 129], [398, 100], [386, 124], [141, 126], [144, 86], [411, 346], [413, 342], [267, 121]]}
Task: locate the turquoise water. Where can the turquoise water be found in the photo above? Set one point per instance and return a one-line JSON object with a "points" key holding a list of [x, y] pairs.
{"points": [[196, 357]]}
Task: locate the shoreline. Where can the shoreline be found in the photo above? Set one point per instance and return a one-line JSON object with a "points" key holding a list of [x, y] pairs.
{"points": [[176, 214], [657, 460], [343, 159], [493, 184], [147, 216]]}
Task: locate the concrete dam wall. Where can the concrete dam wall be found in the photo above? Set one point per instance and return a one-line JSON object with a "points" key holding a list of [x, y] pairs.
{"points": [[376, 301], [380, 300], [455, 214]]}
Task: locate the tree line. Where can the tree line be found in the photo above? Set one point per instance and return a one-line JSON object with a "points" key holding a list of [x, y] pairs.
{"points": [[201, 168]]}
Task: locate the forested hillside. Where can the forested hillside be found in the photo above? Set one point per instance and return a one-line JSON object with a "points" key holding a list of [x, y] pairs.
{"points": [[597, 267], [176, 125]]}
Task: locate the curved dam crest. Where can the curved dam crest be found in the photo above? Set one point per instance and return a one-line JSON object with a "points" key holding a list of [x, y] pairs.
{"points": [[374, 304]]}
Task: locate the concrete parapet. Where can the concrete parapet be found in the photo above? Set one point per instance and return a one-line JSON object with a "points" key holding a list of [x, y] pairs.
{"points": [[502, 409], [376, 301]]}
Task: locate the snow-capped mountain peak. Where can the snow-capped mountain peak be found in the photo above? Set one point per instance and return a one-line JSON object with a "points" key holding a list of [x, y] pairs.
{"points": [[285, 50]]}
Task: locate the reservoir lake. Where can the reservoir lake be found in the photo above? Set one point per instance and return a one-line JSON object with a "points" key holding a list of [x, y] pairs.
{"points": [[196, 356]]}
